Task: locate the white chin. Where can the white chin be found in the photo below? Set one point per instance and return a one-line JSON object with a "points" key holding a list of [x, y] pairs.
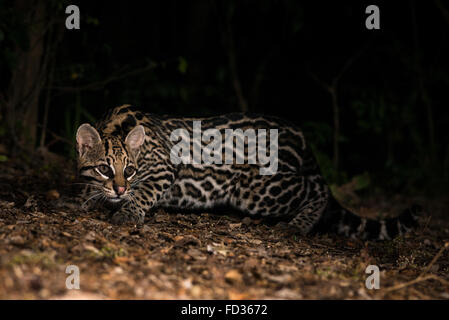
{"points": [[115, 200]]}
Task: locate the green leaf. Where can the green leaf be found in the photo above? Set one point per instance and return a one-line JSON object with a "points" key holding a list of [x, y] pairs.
{"points": [[362, 181], [93, 21], [182, 66]]}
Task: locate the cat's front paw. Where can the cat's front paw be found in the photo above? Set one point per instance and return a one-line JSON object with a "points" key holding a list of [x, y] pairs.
{"points": [[120, 218]]}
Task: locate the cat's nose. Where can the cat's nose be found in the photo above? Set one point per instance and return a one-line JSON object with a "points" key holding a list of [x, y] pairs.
{"points": [[119, 190]]}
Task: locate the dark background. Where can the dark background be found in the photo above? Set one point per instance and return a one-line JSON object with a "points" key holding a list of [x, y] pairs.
{"points": [[312, 62]]}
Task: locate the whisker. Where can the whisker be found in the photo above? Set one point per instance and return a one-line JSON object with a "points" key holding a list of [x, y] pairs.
{"points": [[139, 180], [92, 192], [85, 184], [101, 200], [90, 198]]}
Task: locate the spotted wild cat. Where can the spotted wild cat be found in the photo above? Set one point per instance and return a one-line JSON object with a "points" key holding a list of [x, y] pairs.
{"points": [[127, 160]]}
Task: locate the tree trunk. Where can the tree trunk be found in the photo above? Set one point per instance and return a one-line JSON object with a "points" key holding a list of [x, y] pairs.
{"points": [[28, 76]]}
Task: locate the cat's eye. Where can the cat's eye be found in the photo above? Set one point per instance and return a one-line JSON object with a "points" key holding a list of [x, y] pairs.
{"points": [[129, 171], [104, 169]]}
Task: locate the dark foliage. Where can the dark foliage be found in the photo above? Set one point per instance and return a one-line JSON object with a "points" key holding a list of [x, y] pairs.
{"points": [[285, 58]]}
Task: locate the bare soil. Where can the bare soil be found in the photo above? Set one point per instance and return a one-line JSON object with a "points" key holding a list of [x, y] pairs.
{"points": [[200, 256]]}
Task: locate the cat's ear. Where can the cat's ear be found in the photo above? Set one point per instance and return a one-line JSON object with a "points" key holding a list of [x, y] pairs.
{"points": [[135, 138], [86, 138]]}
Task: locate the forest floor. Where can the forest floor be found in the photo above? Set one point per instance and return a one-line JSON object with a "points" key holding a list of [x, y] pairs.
{"points": [[200, 256]]}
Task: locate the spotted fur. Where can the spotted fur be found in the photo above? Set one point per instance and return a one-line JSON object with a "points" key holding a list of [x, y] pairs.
{"points": [[112, 159]]}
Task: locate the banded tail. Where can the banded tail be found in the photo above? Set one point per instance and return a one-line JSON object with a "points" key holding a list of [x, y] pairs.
{"points": [[339, 220]]}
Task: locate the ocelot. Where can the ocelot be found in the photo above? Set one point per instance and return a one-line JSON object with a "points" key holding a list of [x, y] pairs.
{"points": [[130, 162]]}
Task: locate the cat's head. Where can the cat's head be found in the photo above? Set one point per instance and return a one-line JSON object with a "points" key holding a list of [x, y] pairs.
{"points": [[109, 163]]}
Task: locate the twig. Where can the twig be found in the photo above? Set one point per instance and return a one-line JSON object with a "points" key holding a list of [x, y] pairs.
{"points": [[100, 84], [422, 276], [331, 88], [233, 68], [434, 259], [50, 52], [420, 295], [426, 223], [443, 10], [415, 281], [56, 138], [227, 40], [421, 87]]}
